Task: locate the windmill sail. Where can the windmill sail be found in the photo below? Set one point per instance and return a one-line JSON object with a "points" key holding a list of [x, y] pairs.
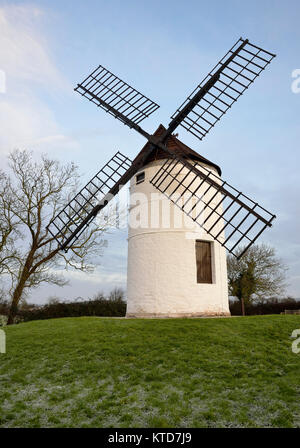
{"points": [[221, 88], [225, 213], [70, 222], [116, 97]]}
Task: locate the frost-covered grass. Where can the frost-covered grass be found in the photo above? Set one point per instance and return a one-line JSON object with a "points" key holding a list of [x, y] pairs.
{"points": [[102, 372]]}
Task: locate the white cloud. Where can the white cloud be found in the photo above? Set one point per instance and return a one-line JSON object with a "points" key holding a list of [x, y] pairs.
{"points": [[98, 276], [26, 119], [23, 120], [24, 49]]}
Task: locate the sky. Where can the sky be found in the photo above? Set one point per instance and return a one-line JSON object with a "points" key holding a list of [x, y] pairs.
{"points": [[163, 49]]}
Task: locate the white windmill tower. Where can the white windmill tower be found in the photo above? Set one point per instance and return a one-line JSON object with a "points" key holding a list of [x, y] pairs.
{"points": [[173, 270]]}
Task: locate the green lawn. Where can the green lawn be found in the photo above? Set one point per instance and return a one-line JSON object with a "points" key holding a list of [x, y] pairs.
{"points": [[102, 372]]}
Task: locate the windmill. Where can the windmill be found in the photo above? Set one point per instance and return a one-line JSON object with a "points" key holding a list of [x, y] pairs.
{"points": [[168, 273]]}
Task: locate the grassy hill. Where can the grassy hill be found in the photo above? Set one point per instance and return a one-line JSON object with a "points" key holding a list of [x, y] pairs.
{"points": [[102, 372]]}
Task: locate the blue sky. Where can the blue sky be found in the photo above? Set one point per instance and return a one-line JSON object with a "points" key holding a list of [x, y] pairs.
{"points": [[164, 49]]}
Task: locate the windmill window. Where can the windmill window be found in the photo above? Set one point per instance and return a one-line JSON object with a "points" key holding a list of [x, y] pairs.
{"points": [[140, 177], [204, 261]]}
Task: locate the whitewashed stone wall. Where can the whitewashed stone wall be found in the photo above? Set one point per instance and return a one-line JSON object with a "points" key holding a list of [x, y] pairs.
{"points": [[162, 271]]}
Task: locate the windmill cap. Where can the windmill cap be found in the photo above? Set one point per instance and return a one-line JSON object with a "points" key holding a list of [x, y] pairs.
{"points": [[175, 145]]}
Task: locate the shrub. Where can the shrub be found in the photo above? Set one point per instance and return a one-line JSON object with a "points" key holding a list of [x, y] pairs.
{"points": [[3, 307], [3, 320], [270, 306], [113, 306]]}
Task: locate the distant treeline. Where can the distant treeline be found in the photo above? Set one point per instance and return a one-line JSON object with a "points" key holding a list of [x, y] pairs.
{"points": [[270, 306], [114, 305]]}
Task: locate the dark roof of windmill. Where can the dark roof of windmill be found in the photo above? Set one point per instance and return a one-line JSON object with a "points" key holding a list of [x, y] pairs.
{"points": [[174, 145]]}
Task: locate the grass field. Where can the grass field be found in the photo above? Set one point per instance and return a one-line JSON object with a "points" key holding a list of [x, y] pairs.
{"points": [[102, 372]]}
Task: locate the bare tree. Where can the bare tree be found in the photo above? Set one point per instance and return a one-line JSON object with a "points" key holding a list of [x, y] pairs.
{"points": [[257, 276], [117, 295], [8, 226], [34, 192]]}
